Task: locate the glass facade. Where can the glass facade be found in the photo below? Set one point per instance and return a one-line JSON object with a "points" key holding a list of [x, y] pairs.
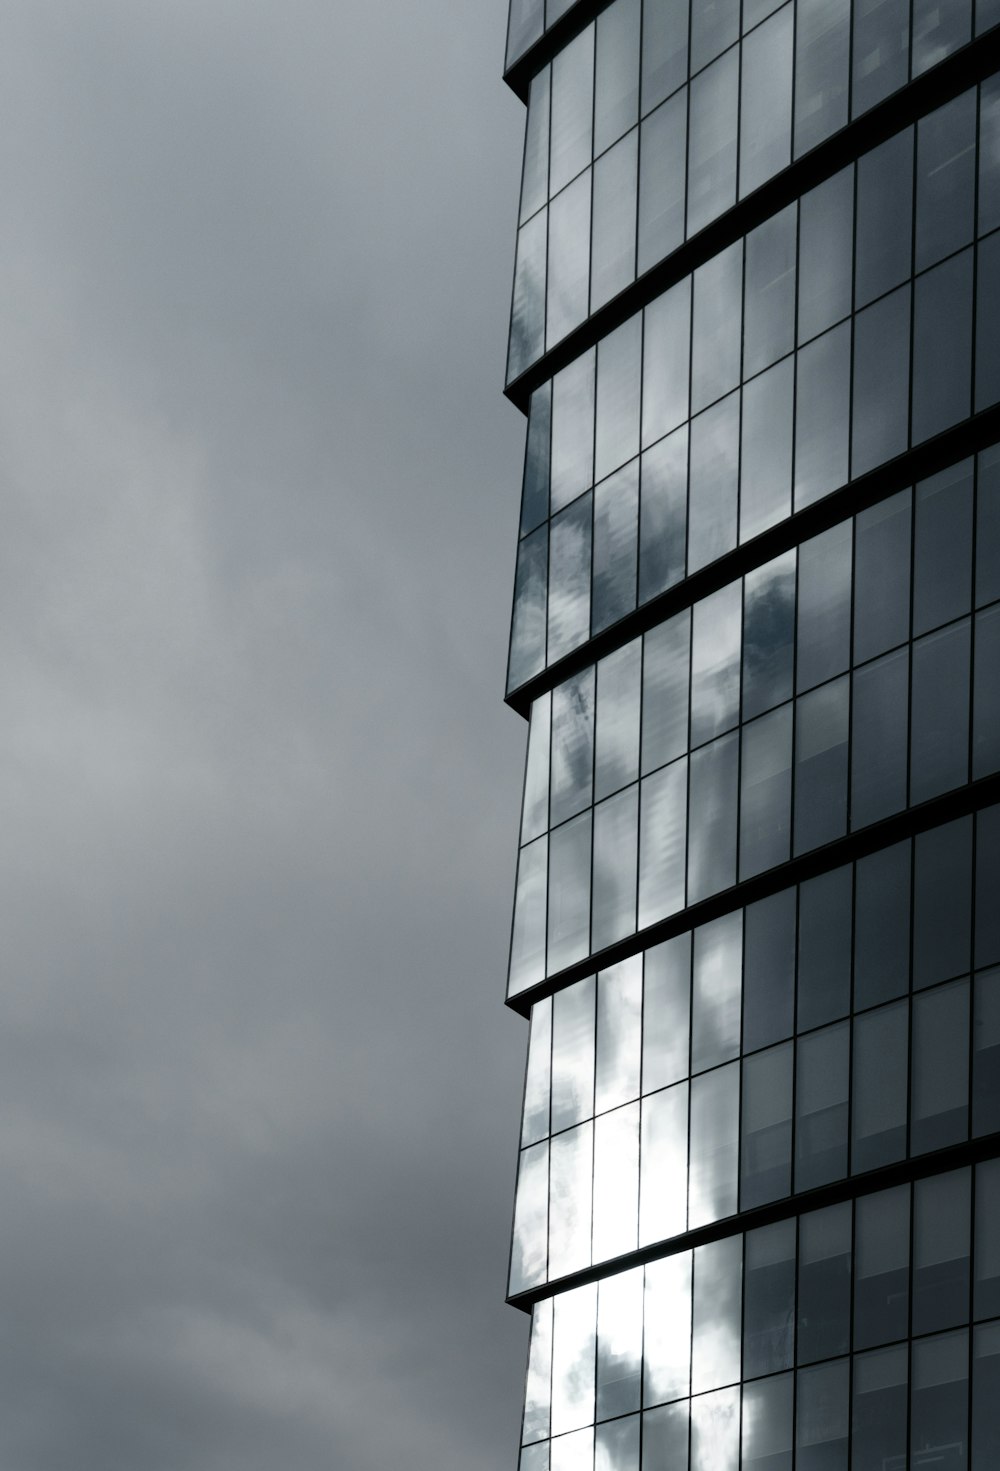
{"points": [[756, 637]]}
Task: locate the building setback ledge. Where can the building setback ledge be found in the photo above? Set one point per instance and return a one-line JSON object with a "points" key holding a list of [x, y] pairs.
{"points": [[958, 803], [941, 84], [904, 1172]]}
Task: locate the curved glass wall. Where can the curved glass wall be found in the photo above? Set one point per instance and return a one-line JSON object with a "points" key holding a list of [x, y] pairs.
{"points": [[840, 1338], [834, 1028], [604, 196], [848, 679], [798, 359]]}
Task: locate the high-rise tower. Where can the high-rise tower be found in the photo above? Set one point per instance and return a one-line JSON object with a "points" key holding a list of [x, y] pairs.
{"points": [[756, 633]]}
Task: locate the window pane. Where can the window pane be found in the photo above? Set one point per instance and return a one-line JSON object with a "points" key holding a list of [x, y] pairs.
{"points": [[823, 1417], [716, 336], [715, 1358], [662, 832], [664, 49], [527, 316], [573, 430], [986, 719], [616, 1182], [942, 903], [988, 310], [663, 1165], [573, 1018], [822, 65], [574, 1334], [572, 109], [942, 1249], [769, 970], [665, 673], [824, 1327], [939, 750], [616, 88], [715, 1108], [940, 1408], [718, 967], [826, 249], [571, 1165], [821, 1107], [824, 615], [535, 1117], [766, 792], [665, 1436], [617, 736], [663, 515], [662, 175], [986, 1058], [879, 1414], [821, 727], [938, 30], [946, 179], [766, 1121], [615, 860], [989, 152], [613, 260], [882, 935], [884, 228], [666, 1013], [766, 466], [988, 528], [712, 145], [535, 174], [878, 759], [769, 1300], [942, 346], [768, 635], [531, 1207], [715, 24], [987, 946], [666, 356], [987, 1290], [942, 577], [538, 1388], [940, 1067], [822, 415], [569, 893], [769, 311], [535, 486], [766, 101], [569, 578], [824, 976], [712, 828], [527, 945], [616, 1446], [667, 1344], [618, 391], [616, 531], [569, 259], [882, 577], [527, 632], [986, 1396], [767, 1424], [881, 1267], [878, 1127], [715, 1431], [715, 664], [881, 50], [881, 382]]}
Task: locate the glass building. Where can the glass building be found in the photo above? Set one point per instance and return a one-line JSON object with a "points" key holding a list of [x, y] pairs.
{"points": [[756, 637]]}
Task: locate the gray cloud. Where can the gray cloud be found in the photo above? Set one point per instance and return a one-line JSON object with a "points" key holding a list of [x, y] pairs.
{"points": [[258, 1094]]}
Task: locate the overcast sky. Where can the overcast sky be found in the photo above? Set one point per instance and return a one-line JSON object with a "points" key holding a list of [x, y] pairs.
{"points": [[258, 1091]]}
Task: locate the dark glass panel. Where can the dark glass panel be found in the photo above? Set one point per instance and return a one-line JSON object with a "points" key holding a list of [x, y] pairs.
{"points": [[537, 1077], [938, 30], [942, 1251], [942, 346], [942, 562], [939, 736], [527, 632], [527, 943], [525, 24], [824, 612], [823, 1417], [822, 415], [572, 109], [878, 1088], [766, 1126], [882, 934], [716, 335], [619, 364], [940, 1111], [766, 101], [616, 84], [612, 265], [879, 1418], [666, 350], [616, 743], [986, 1299], [615, 858], [989, 150], [664, 49], [821, 1106], [988, 528], [766, 466], [822, 70], [663, 515], [568, 283], [765, 791], [662, 830], [821, 728], [986, 1056], [987, 948], [712, 831], [666, 662], [712, 142], [882, 577], [946, 180], [572, 780], [662, 176], [535, 173], [718, 969], [881, 50], [573, 430], [769, 302], [884, 219], [826, 247], [715, 1114], [769, 1300], [881, 382], [824, 978], [987, 315], [665, 1437], [939, 1426], [986, 1396], [768, 970], [527, 316], [825, 1259], [528, 1246], [942, 903], [987, 14], [616, 529], [878, 755], [881, 1267], [616, 1445], [535, 802], [768, 635], [666, 1013], [569, 892], [535, 486], [715, 24], [715, 452]]}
